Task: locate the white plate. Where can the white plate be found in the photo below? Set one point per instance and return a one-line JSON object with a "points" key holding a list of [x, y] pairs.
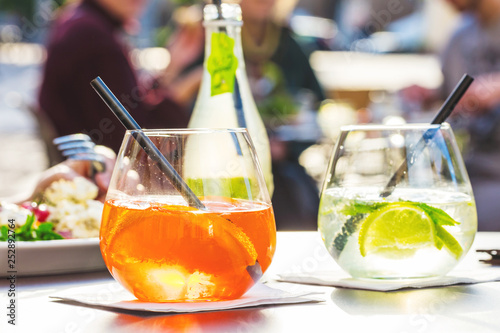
{"points": [[52, 257]]}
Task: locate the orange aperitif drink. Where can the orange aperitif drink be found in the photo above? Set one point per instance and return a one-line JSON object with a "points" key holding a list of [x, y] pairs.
{"points": [[207, 234], [164, 252]]}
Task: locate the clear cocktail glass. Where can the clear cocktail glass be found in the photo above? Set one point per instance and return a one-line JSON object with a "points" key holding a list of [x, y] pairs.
{"points": [[397, 202], [163, 250]]}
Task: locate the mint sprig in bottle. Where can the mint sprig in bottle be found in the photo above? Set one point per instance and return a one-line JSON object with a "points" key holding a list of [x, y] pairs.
{"points": [[224, 99]]}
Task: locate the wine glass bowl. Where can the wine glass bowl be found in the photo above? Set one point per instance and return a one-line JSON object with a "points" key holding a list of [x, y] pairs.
{"points": [[163, 250], [419, 226]]}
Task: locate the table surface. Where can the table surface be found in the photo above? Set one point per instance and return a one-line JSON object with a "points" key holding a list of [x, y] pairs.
{"points": [[465, 308]]}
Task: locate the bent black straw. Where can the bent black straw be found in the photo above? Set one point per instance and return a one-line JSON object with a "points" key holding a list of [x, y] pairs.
{"points": [[446, 109]]}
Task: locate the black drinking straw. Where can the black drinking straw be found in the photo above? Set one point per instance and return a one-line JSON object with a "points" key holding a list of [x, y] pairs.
{"points": [[445, 110], [142, 139]]}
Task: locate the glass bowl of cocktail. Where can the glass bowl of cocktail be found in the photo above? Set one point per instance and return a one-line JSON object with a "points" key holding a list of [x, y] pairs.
{"points": [[397, 202], [164, 249]]}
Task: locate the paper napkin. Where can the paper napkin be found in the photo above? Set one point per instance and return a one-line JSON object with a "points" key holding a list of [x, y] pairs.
{"points": [[343, 280], [112, 296]]}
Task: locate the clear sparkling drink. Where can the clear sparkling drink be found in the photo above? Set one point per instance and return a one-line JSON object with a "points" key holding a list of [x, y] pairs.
{"points": [[413, 233]]}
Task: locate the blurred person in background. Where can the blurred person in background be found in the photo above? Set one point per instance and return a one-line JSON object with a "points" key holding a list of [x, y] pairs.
{"points": [[86, 41], [186, 47], [279, 73], [361, 21], [276, 65], [474, 48], [71, 169]]}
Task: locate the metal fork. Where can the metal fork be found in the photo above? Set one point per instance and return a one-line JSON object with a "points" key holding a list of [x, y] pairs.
{"points": [[80, 147]]}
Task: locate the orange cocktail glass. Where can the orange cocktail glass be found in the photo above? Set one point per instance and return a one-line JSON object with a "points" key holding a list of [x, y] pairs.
{"points": [[161, 249]]}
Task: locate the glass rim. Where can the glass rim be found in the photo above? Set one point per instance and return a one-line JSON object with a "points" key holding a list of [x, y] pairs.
{"points": [[382, 127], [183, 131]]}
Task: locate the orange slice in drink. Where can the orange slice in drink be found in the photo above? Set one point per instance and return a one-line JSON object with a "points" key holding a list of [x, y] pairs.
{"points": [[168, 253], [230, 238]]}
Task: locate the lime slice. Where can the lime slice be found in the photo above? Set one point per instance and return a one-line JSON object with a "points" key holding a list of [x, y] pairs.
{"points": [[396, 231], [451, 243]]}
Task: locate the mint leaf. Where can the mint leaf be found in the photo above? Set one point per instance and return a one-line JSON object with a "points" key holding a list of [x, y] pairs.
{"points": [[360, 207], [349, 227], [439, 216]]}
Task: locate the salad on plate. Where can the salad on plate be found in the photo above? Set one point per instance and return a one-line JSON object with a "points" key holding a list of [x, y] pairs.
{"points": [[66, 209]]}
